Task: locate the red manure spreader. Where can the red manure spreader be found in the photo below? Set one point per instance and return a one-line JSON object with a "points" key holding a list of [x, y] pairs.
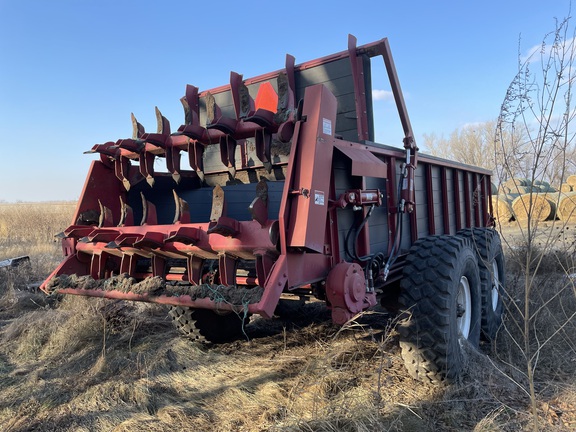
{"points": [[285, 194]]}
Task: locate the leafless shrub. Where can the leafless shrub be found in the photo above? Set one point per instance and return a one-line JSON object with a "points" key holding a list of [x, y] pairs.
{"points": [[541, 307]]}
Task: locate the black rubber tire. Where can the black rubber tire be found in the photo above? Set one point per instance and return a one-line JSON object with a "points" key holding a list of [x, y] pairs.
{"points": [[488, 247], [207, 326], [436, 269]]}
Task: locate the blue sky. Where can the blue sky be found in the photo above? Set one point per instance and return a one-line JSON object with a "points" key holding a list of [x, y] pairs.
{"points": [[72, 71]]}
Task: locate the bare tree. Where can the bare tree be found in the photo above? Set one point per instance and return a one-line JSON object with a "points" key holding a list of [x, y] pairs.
{"points": [[474, 144], [534, 136], [471, 144], [538, 105]]}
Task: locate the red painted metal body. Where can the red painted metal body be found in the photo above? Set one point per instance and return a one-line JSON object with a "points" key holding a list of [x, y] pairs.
{"points": [[278, 194]]}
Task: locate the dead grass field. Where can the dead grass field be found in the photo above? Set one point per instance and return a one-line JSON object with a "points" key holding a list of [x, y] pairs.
{"points": [[79, 364], [29, 229]]}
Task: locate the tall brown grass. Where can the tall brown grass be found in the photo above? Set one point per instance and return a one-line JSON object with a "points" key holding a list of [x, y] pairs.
{"points": [[80, 364], [29, 229]]}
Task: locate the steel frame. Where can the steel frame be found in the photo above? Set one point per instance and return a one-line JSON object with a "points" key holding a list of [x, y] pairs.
{"points": [[297, 248]]}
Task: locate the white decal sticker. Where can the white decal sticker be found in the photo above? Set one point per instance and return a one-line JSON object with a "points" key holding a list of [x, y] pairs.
{"points": [[319, 197], [327, 126]]}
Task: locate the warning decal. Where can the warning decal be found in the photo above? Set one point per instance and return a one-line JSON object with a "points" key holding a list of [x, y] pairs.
{"points": [[327, 126]]}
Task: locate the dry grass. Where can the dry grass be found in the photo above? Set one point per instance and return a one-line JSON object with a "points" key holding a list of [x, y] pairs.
{"points": [[29, 229], [78, 364]]}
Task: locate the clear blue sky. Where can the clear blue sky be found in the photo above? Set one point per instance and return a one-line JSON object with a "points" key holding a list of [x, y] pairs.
{"points": [[72, 71]]}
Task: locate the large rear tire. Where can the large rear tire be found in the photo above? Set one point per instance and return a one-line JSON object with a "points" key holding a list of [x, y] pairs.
{"points": [[207, 326], [488, 247], [440, 299]]}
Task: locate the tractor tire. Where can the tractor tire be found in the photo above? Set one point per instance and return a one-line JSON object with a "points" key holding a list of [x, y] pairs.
{"points": [[440, 300], [207, 326], [488, 247]]}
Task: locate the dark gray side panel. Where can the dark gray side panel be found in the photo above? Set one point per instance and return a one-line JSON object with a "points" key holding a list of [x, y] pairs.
{"points": [[335, 75], [421, 202], [238, 198], [438, 213], [450, 199], [347, 218], [443, 206]]}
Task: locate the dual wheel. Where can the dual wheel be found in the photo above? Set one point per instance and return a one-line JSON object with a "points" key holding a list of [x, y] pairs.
{"points": [[451, 294]]}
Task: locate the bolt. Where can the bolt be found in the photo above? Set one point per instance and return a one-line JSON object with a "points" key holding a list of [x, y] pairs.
{"points": [[460, 310]]}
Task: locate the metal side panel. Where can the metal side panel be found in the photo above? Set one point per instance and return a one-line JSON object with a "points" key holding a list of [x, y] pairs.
{"points": [[347, 218], [460, 209], [364, 163], [238, 198], [437, 209], [449, 218], [336, 75], [343, 181], [311, 171], [378, 223], [100, 187], [421, 195]]}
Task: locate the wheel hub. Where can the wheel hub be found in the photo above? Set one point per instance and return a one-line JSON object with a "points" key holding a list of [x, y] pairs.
{"points": [[346, 292], [495, 296], [463, 307]]}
